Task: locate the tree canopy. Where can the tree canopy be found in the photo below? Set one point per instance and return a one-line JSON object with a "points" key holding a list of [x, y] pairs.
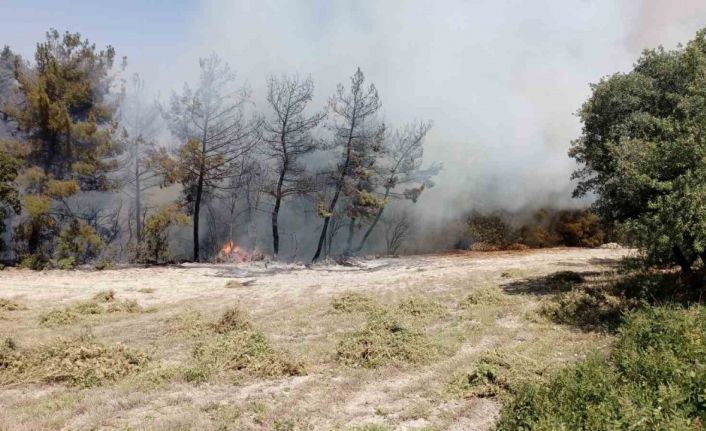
{"points": [[642, 151]]}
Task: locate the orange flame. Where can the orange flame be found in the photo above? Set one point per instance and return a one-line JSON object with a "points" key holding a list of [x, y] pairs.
{"points": [[232, 252], [230, 248]]}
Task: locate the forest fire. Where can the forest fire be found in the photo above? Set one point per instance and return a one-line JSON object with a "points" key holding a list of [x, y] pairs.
{"points": [[233, 253]]}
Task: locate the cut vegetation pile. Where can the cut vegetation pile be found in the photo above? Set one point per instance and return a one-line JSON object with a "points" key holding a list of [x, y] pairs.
{"points": [[236, 347], [497, 373], [7, 305], [483, 296], [353, 302], [385, 339], [80, 362], [589, 306], [10, 305], [102, 302], [655, 378], [421, 307]]}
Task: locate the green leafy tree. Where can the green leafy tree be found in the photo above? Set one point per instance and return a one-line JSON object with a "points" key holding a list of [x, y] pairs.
{"points": [[9, 193], [66, 119], [643, 152], [155, 247]]}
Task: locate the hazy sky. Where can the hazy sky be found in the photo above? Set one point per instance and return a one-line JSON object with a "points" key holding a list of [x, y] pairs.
{"points": [[500, 79]]}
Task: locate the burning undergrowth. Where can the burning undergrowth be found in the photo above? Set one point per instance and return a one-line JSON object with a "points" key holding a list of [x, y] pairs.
{"points": [[82, 362], [231, 252]]}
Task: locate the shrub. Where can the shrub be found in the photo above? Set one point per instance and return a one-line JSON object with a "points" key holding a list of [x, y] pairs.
{"points": [[155, 246], [352, 302], [79, 362], [78, 243], [384, 340], [655, 377], [65, 263], [491, 229]]}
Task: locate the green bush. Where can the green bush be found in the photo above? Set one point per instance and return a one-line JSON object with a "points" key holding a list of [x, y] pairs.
{"points": [[655, 379]]}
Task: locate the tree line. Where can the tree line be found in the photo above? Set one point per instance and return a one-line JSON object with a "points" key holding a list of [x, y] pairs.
{"points": [[83, 151]]}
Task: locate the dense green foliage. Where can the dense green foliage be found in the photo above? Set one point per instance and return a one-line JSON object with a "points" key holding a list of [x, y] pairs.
{"points": [[63, 111], [642, 151], [9, 194], [655, 379]]}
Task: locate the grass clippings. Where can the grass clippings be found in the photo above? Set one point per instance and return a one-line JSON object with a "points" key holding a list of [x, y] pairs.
{"points": [[385, 339], [81, 362], [353, 302]]}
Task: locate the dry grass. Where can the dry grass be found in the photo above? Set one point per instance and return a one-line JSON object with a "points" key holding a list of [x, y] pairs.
{"points": [[380, 350]]}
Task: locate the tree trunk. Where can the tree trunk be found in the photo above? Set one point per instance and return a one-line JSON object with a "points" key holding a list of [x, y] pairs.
{"points": [[682, 261], [372, 225], [351, 233], [138, 203], [197, 209], [275, 211]]}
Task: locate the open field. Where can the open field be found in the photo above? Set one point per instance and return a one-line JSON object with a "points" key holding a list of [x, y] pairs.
{"points": [[319, 371]]}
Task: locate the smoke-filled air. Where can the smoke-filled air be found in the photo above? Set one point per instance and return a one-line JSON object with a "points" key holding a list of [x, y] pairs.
{"points": [[352, 215]]}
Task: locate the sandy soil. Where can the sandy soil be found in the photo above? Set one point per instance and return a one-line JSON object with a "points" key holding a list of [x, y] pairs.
{"points": [[291, 304]]}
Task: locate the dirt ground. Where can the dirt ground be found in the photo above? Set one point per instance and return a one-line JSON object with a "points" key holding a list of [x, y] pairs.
{"points": [[291, 305]]}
